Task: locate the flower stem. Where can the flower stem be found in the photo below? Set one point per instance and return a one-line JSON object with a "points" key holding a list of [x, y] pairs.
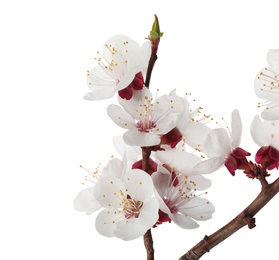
{"points": [[147, 238], [148, 243], [151, 63], [244, 218]]}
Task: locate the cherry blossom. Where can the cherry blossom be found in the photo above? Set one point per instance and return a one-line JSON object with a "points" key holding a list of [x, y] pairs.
{"points": [[120, 68], [224, 144], [130, 210], [176, 188], [145, 118], [267, 86]]}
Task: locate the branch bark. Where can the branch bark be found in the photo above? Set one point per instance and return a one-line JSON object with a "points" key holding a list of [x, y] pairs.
{"points": [[147, 238], [246, 217]]}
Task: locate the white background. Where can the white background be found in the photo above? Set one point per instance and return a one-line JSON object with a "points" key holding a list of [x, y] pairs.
{"points": [[213, 49]]}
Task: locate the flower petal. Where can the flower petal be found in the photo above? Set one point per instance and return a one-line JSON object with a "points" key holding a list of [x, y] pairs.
{"points": [[258, 131], [120, 116], [198, 208], [217, 143], [208, 166], [236, 127], [138, 184], [109, 192], [105, 223], [273, 59], [184, 221], [137, 138], [86, 201]]}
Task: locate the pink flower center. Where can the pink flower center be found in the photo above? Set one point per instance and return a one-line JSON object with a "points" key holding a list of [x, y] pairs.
{"points": [[132, 208], [171, 205], [145, 125]]}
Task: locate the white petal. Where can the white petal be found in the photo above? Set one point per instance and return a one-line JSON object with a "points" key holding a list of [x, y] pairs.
{"points": [[271, 113], [162, 205], [138, 184], [166, 123], [120, 117], [217, 143], [137, 138], [113, 168], [182, 162], [265, 132], [184, 221], [126, 79], [109, 192], [198, 208], [161, 180], [145, 56], [257, 131], [201, 183], [208, 166], [236, 127], [106, 223], [102, 85], [85, 201], [149, 212], [195, 133], [273, 59], [132, 153]]}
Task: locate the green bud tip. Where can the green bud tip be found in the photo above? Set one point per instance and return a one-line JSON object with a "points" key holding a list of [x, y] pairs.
{"points": [[155, 33]]}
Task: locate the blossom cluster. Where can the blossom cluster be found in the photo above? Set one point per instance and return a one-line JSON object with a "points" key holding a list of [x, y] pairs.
{"points": [[135, 193]]}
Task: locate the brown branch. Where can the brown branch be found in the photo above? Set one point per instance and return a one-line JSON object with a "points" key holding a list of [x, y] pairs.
{"points": [[246, 217], [147, 238], [148, 243], [151, 63]]}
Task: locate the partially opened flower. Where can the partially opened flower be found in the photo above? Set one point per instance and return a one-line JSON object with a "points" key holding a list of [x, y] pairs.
{"points": [[224, 144], [144, 118], [120, 69], [177, 197], [267, 86], [266, 134], [130, 210]]}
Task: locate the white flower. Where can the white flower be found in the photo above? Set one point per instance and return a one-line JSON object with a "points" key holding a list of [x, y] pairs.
{"points": [[177, 198], [130, 210], [222, 144], [121, 65], [267, 86], [144, 118]]}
